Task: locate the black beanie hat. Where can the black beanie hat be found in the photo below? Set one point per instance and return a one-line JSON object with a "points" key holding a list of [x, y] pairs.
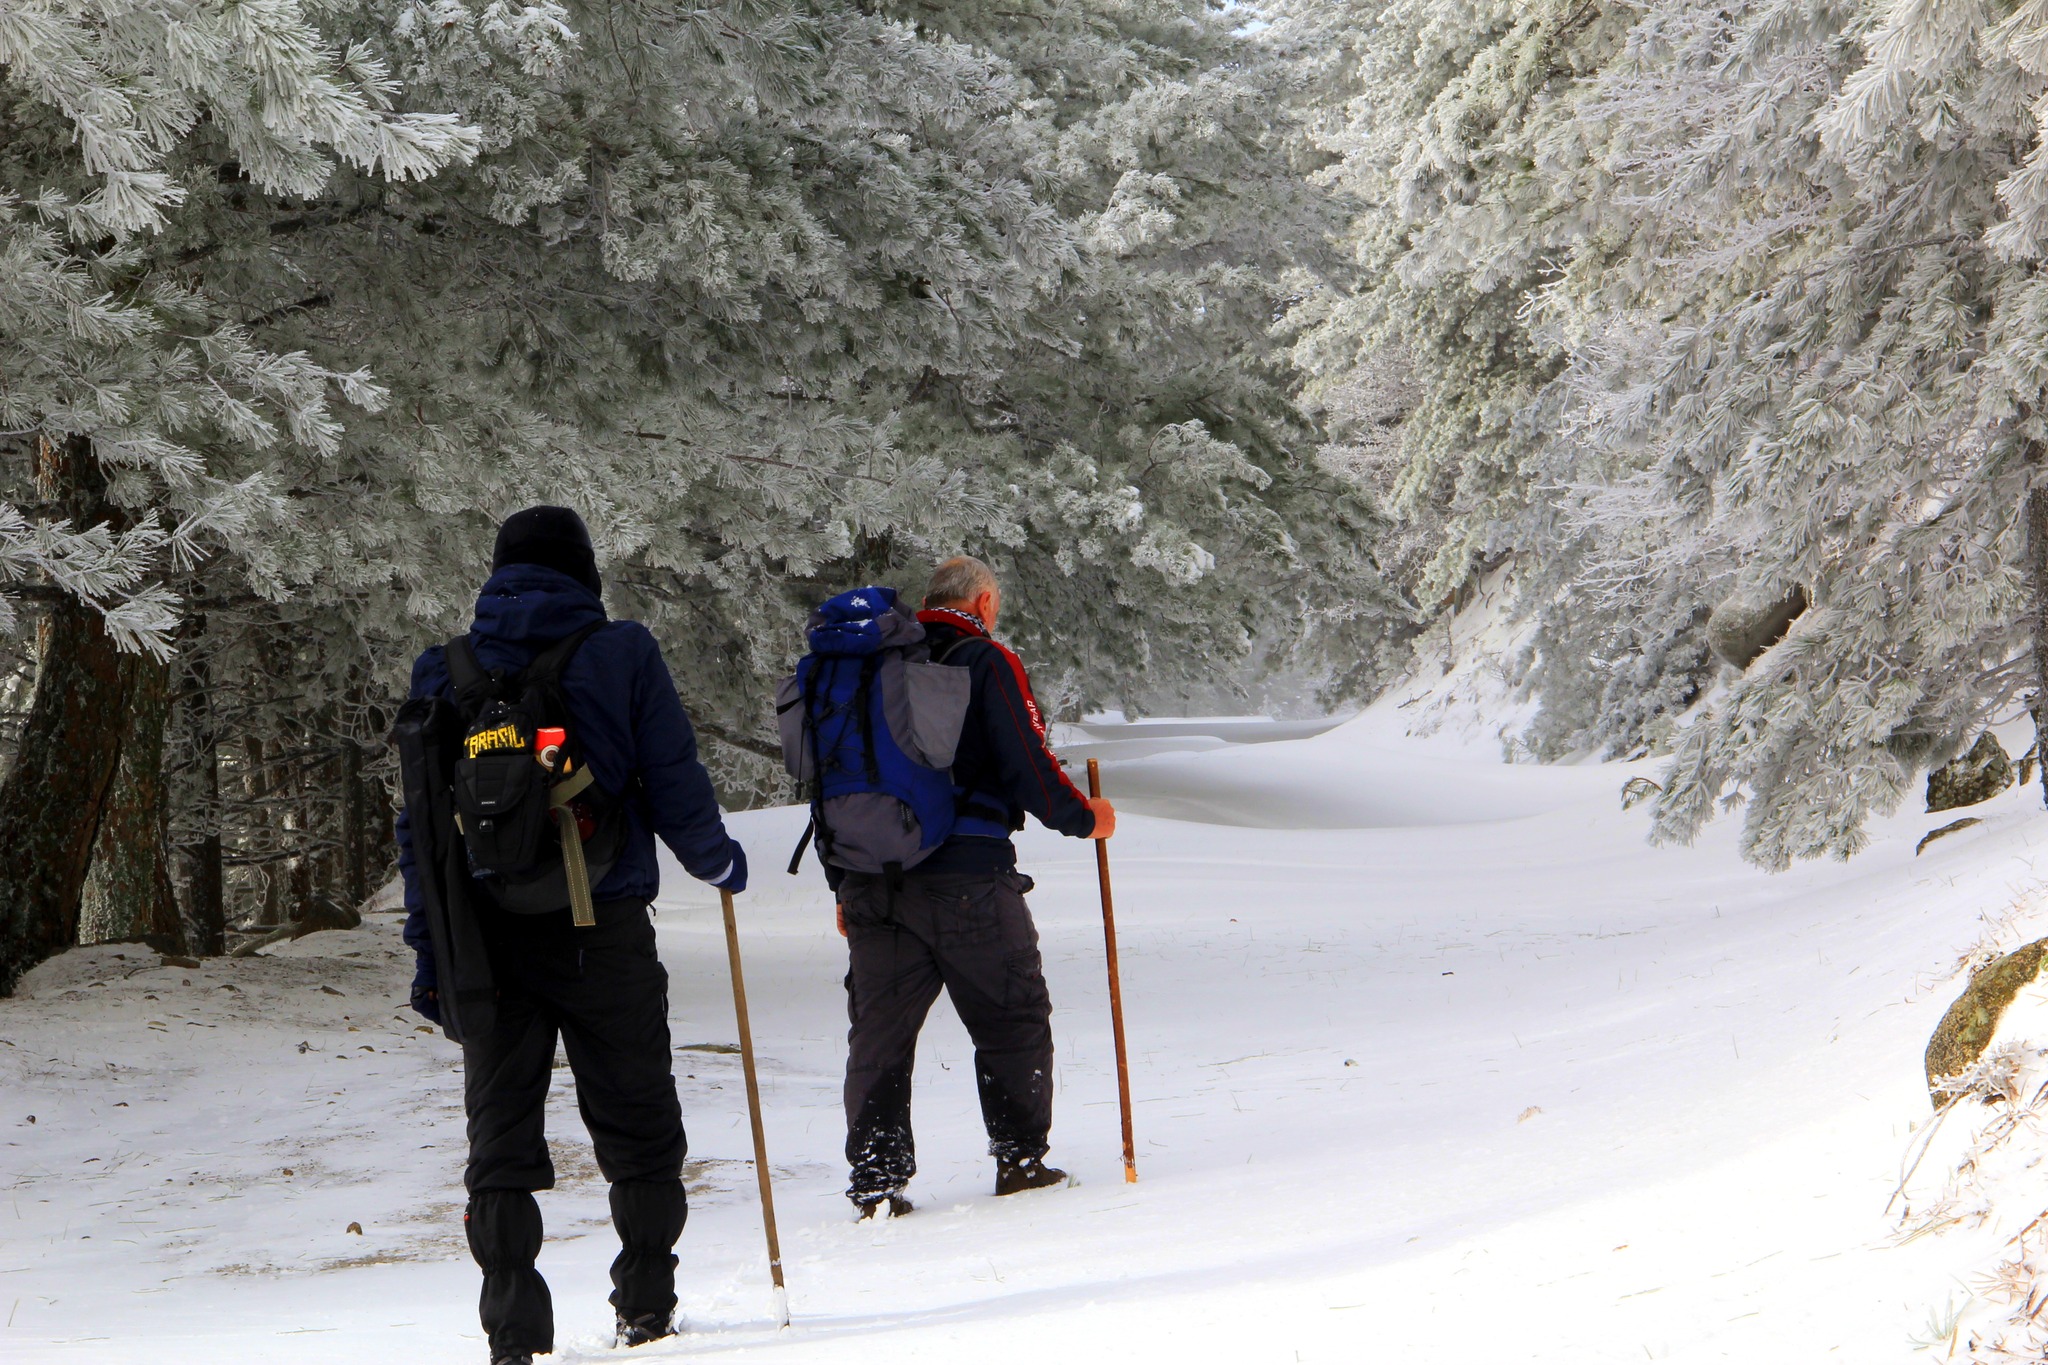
{"points": [[552, 537]]}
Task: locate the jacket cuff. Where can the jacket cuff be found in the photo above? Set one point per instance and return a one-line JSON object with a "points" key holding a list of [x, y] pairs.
{"points": [[1080, 824]]}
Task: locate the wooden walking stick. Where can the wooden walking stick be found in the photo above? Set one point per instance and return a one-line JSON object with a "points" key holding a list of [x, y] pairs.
{"points": [[1116, 988], [739, 1005]]}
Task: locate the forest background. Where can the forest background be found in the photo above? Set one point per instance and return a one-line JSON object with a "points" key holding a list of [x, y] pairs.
{"points": [[1244, 341]]}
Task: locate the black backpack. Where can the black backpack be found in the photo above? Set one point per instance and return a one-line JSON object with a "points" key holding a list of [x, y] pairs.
{"points": [[539, 837]]}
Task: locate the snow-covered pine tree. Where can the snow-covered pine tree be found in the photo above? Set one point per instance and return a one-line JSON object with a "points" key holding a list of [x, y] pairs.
{"points": [[873, 292], [1481, 204], [1460, 144], [1891, 475], [783, 297], [1179, 526], [1713, 302], [1827, 372], [143, 430]]}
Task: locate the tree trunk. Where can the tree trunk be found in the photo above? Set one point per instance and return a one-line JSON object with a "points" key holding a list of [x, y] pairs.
{"points": [[260, 787], [380, 835], [205, 882], [128, 896], [2037, 567], [356, 840], [296, 825], [329, 899], [53, 798]]}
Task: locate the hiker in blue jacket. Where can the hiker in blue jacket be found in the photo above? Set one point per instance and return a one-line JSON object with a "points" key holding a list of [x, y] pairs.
{"points": [[601, 988]]}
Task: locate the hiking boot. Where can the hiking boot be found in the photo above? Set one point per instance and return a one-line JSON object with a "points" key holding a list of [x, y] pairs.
{"points": [[893, 1205], [1014, 1177], [640, 1331], [516, 1358]]}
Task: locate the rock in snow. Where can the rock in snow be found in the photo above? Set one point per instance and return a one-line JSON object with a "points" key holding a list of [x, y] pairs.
{"points": [[1952, 827], [1976, 777], [1750, 622], [1972, 1021]]}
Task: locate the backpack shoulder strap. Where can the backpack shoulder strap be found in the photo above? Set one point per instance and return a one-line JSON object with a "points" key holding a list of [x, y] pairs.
{"points": [[463, 669], [546, 668], [946, 651], [468, 677]]}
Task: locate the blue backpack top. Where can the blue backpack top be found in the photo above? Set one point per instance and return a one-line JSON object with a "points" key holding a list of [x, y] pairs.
{"points": [[869, 724]]}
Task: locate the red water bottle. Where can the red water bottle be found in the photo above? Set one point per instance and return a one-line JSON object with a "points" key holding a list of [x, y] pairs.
{"points": [[548, 744]]}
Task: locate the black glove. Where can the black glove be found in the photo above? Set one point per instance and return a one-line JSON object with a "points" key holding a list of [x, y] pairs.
{"points": [[735, 878], [426, 995]]}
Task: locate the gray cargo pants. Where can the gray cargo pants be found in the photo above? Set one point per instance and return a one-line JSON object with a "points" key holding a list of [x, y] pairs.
{"points": [[971, 933]]}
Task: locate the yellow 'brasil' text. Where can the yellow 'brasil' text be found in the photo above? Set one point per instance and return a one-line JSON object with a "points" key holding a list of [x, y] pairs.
{"points": [[499, 737]]}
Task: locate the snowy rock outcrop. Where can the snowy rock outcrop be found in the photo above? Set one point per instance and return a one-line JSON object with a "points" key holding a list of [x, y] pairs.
{"points": [[1977, 776], [1751, 621], [1975, 1168], [1971, 1023]]}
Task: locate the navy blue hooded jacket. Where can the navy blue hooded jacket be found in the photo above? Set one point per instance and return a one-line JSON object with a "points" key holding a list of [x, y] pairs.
{"points": [[629, 724]]}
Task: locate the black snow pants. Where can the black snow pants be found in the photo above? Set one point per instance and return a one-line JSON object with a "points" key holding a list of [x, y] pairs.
{"points": [[604, 991], [971, 933]]}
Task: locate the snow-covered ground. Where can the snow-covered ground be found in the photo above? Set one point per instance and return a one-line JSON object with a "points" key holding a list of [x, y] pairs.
{"points": [[1434, 1061]]}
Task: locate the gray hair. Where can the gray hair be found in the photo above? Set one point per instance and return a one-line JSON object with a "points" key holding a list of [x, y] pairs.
{"points": [[960, 579]]}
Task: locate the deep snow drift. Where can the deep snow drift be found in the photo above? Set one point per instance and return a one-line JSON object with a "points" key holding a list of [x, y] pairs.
{"points": [[1435, 1060]]}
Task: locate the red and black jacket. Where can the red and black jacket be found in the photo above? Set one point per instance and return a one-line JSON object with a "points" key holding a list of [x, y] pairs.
{"points": [[1003, 766]]}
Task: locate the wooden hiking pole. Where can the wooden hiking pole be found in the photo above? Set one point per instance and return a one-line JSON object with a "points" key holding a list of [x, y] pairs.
{"points": [[739, 1005], [1116, 988]]}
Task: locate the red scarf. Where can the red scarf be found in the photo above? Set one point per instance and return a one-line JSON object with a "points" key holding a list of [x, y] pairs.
{"points": [[953, 616]]}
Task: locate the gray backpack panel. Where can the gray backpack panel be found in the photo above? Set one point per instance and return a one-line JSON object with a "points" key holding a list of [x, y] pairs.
{"points": [[871, 830], [924, 703], [789, 719], [933, 709]]}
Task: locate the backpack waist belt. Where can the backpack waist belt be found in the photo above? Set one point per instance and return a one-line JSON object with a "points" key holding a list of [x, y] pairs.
{"points": [[982, 817]]}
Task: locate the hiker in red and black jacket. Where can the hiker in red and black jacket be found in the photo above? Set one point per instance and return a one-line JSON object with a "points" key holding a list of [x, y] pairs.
{"points": [[958, 919]]}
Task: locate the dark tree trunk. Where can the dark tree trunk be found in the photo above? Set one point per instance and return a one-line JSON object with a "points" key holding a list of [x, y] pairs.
{"points": [[327, 804], [260, 788], [128, 896], [205, 907], [380, 834], [52, 801], [296, 826], [2037, 568], [356, 837]]}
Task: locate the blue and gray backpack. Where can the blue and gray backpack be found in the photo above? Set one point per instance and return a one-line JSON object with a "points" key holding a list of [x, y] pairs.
{"points": [[869, 724]]}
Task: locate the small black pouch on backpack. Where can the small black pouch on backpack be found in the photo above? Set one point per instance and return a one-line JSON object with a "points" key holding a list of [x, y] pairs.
{"points": [[501, 794], [504, 797]]}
